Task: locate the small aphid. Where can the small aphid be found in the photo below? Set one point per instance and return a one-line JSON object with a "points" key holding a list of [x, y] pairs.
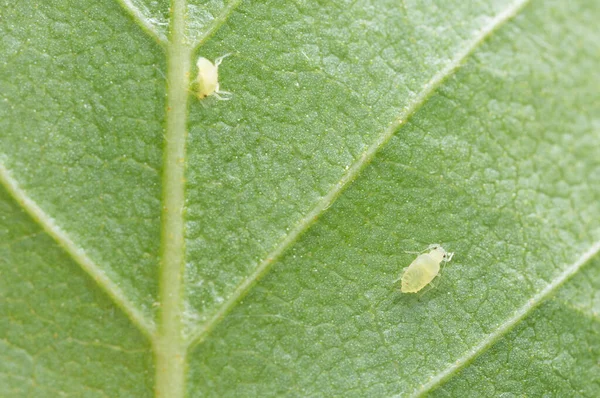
{"points": [[424, 268], [207, 81]]}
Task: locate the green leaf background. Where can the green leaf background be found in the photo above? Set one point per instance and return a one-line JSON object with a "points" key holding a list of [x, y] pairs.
{"points": [[154, 244]]}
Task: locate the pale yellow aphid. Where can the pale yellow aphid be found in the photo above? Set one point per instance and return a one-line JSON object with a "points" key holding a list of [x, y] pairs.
{"points": [[424, 268], [207, 81]]}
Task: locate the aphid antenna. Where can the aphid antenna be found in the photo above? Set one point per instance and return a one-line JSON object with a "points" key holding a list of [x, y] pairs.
{"points": [[448, 257], [428, 248], [221, 58]]}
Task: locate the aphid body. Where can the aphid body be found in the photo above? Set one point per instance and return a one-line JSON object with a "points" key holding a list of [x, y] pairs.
{"points": [[424, 268], [207, 81]]}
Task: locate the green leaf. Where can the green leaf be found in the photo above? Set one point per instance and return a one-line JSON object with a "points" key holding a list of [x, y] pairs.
{"points": [[155, 244]]}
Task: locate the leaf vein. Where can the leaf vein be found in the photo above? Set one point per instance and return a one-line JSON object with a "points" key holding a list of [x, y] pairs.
{"points": [[591, 316], [146, 24], [217, 23], [505, 327], [204, 329], [49, 226]]}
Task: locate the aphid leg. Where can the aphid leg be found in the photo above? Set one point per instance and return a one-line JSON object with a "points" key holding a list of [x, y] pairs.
{"points": [[192, 91], [400, 277], [218, 92], [220, 59], [439, 275], [426, 289], [217, 96], [430, 286], [203, 103]]}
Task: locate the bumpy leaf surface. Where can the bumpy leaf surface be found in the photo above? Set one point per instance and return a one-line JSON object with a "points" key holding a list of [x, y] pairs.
{"points": [[155, 244]]}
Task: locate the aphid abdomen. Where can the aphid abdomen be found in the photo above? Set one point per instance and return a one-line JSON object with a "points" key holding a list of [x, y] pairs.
{"points": [[208, 78], [419, 273]]}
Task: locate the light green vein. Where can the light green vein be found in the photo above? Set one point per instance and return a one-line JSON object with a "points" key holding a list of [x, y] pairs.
{"points": [[203, 330], [584, 312], [49, 225], [505, 327], [217, 23], [170, 353], [142, 19]]}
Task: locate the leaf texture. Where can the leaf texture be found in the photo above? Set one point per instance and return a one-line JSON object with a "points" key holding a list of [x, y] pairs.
{"points": [[154, 244]]}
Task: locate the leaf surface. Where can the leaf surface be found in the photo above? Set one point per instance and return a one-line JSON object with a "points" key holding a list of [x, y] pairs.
{"points": [[254, 241]]}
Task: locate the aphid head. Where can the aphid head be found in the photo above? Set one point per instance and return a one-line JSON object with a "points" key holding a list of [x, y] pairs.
{"points": [[437, 251], [447, 256]]}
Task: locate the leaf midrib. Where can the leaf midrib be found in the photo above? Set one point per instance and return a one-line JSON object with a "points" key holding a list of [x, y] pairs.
{"points": [[169, 347]]}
